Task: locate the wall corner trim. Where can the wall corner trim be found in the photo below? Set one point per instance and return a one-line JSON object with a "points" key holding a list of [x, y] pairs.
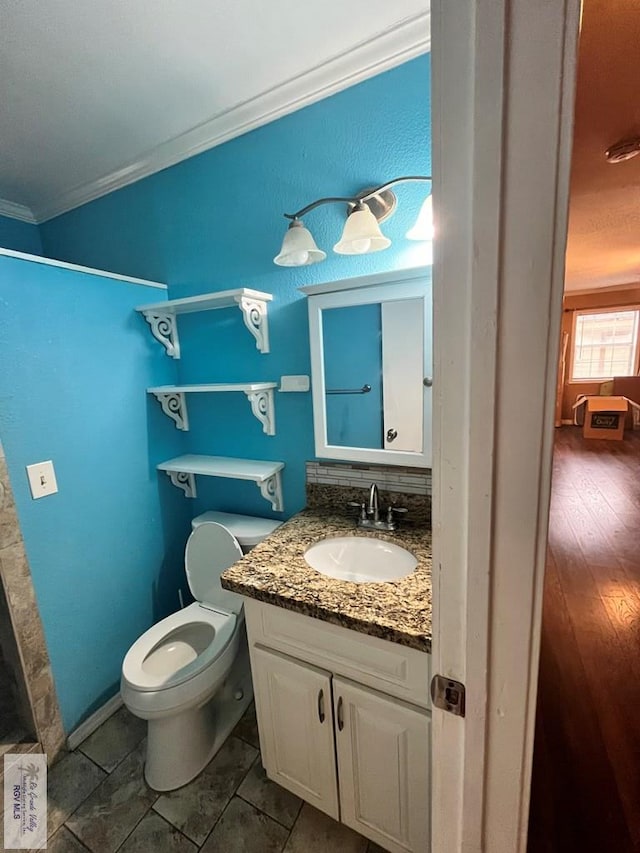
{"points": [[50, 262]]}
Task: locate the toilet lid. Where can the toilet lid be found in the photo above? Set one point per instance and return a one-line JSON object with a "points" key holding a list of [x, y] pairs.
{"points": [[210, 550], [249, 530]]}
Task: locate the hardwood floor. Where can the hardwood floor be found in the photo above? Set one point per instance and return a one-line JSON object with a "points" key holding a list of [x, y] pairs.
{"points": [[586, 769]]}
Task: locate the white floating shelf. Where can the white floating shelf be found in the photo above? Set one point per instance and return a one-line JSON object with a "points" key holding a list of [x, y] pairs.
{"points": [[161, 316], [182, 471], [259, 394]]}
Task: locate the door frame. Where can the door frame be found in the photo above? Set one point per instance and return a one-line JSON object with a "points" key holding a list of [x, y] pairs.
{"points": [[503, 89]]}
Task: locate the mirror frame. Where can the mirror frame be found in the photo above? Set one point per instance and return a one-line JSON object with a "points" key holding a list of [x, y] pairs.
{"points": [[385, 287]]}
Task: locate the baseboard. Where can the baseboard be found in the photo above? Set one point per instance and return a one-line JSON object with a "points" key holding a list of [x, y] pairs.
{"points": [[93, 722], [567, 422]]}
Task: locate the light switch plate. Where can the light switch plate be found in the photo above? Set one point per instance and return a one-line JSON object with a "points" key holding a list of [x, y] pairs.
{"points": [[294, 383], [42, 479]]}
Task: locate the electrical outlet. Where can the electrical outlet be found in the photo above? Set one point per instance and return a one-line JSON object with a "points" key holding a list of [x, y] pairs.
{"points": [[294, 383], [42, 479]]}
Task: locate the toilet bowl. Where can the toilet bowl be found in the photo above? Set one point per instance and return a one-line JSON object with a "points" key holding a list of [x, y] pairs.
{"points": [[189, 674]]}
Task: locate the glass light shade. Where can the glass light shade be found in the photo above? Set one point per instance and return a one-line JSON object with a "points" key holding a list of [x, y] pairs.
{"points": [[423, 228], [361, 234], [298, 247]]}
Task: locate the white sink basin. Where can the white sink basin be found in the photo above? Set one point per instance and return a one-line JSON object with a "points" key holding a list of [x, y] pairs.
{"points": [[360, 559]]}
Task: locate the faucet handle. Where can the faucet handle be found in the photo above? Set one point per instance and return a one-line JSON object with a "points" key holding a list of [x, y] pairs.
{"points": [[399, 510], [360, 506]]}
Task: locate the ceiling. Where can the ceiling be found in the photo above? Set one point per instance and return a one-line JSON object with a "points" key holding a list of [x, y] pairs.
{"points": [[604, 212], [95, 95]]}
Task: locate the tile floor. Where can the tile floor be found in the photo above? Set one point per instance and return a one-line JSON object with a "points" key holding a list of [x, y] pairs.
{"points": [[99, 802]]}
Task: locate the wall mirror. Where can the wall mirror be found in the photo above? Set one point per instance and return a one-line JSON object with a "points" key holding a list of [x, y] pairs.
{"points": [[371, 368]]}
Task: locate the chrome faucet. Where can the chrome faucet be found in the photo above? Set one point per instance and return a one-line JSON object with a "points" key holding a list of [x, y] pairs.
{"points": [[369, 516], [374, 507]]}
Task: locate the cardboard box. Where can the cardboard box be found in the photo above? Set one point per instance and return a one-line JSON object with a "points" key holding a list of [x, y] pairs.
{"points": [[629, 387], [604, 417]]}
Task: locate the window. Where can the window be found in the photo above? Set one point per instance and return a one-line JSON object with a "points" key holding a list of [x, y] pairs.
{"points": [[605, 345]]}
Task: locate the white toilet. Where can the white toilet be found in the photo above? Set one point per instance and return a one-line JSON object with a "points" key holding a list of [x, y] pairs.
{"points": [[189, 674]]}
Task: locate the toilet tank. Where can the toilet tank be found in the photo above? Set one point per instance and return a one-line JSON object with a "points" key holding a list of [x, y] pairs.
{"points": [[249, 530]]}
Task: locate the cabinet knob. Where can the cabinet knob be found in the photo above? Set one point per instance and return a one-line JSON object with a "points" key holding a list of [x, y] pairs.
{"points": [[340, 715], [321, 706]]}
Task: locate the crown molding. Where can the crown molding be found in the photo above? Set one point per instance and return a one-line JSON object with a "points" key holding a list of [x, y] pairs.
{"points": [[404, 41], [17, 211]]}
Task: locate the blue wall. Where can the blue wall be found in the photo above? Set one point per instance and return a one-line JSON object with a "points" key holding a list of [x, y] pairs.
{"points": [[215, 222], [20, 236], [352, 344], [106, 551]]}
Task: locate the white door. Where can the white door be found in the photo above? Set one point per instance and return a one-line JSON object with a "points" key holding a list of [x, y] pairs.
{"points": [[503, 75], [403, 343], [293, 705], [382, 746]]}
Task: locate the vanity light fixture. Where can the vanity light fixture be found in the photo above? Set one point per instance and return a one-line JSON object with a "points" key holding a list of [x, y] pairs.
{"points": [[298, 247], [423, 228], [361, 234]]}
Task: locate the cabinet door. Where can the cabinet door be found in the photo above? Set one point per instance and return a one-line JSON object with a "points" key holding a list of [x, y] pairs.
{"points": [[403, 372], [383, 749], [295, 720]]}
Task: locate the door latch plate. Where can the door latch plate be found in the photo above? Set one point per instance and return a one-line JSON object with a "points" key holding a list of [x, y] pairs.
{"points": [[448, 695]]}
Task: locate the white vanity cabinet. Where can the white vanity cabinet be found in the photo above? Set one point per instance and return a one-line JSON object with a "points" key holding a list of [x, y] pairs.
{"points": [[353, 742], [382, 746], [296, 727]]}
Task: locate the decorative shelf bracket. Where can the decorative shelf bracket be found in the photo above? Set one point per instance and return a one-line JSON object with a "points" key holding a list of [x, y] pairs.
{"points": [[271, 490], [175, 406], [185, 481], [183, 469], [173, 399], [161, 316], [164, 329], [263, 409], [254, 314]]}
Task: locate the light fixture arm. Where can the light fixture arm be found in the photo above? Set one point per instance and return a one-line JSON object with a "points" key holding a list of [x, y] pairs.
{"points": [[314, 204], [355, 200]]}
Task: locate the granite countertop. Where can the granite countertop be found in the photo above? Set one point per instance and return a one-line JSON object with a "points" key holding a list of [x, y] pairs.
{"points": [[276, 572]]}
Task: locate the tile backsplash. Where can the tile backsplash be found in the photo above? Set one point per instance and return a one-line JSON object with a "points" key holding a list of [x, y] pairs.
{"points": [[333, 485], [391, 478]]}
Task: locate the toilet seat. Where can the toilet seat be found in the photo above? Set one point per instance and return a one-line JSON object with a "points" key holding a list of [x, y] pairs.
{"points": [[182, 645], [145, 672]]}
